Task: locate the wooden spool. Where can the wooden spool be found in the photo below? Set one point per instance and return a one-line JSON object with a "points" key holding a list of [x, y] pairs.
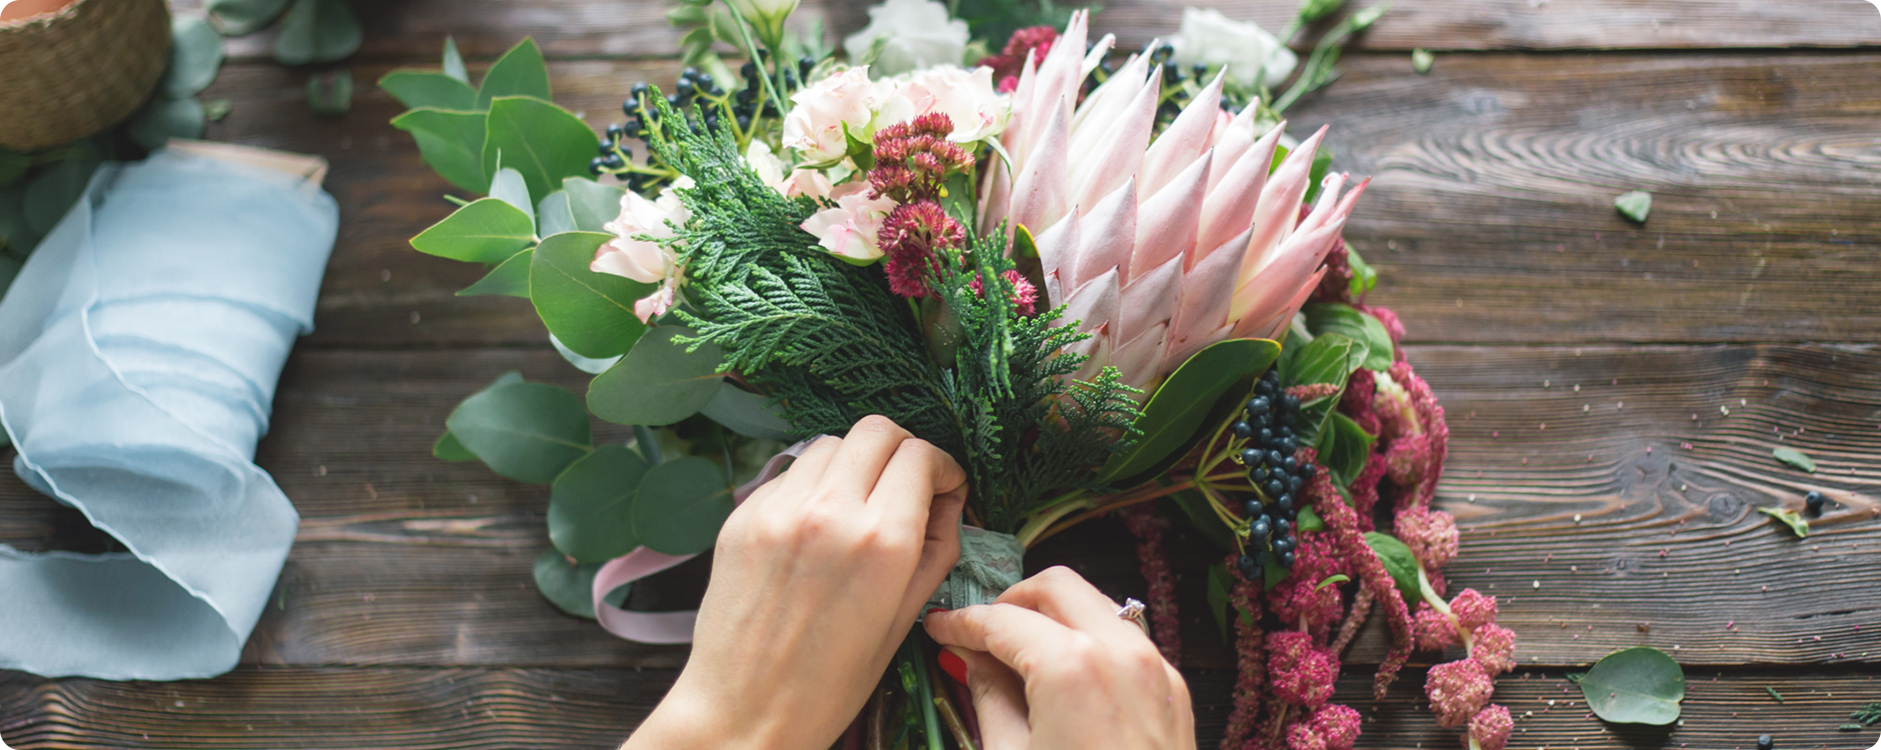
{"points": [[77, 71]]}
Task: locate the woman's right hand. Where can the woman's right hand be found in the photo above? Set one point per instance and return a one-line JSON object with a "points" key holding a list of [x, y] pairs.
{"points": [[1051, 665]]}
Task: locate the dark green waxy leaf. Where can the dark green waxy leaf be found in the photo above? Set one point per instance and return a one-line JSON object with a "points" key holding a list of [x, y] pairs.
{"points": [[509, 279], [1330, 358], [1639, 685], [423, 88], [747, 414], [542, 141], [241, 17], [53, 192], [553, 215], [1332, 580], [330, 93], [508, 186], [529, 432], [592, 204], [1220, 587], [519, 72], [592, 313], [1398, 561], [1364, 277], [1310, 520], [1344, 447], [1795, 458], [1634, 205], [448, 449], [1421, 59], [681, 505], [659, 382], [1798, 525], [451, 143], [1178, 409], [195, 56], [162, 119], [454, 62], [13, 167], [591, 504], [1196, 509], [1272, 572], [1333, 317], [568, 586], [1316, 177], [486, 231], [317, 31]]}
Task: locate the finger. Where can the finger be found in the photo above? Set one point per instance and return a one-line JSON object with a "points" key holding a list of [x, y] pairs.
{"points": [[916, 474], [999, 701], [1063, 595], [805, 472], [1183, 705], [857, 465], [1020, 638], [939, 551]]}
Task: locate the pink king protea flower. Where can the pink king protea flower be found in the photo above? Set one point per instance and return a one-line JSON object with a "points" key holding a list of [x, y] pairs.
{"points": [[1159, 248]]}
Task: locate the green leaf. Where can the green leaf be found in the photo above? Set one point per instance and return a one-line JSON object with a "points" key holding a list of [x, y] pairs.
{"points": [[1790, 518], [1330, 358], [569, 587], [1220, 587], [1421, 59], [195, 57], [1316, 177], [451, 143], [486, 231], [317, 31], [1398, 561], [592, 313], [1574, 677], [1332, 580], [448, 449], [330, 93], [529, 432], [1343, 448], [747, 413], [509, 279], [591, 504], [508, 186], [423, 88], [553, 215], [162, 119], [1639, 685], [454, 62], [1364, 278], [242, 17], [592, 204], [1795, 458], [17, 237], [681, 505], [215, 109], [1309, 520], [1178, 409], [1334, 317], [658, 382], [1634, 205], [53, 192], [13, 167], [519, 72], [1196, 508], [542, 141]]}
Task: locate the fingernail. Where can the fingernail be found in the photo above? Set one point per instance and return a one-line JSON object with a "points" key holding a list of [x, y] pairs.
{"points": [[932, 610], [953, 665]]}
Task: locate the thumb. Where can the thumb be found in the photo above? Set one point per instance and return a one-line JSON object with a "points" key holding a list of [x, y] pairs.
{"points": [[998, 698]]}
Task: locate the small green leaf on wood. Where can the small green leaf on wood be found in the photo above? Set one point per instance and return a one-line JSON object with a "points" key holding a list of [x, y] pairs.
{"points": [[519, 72], [1634, 205], [659, 382], [509, 279], [591, 504], [529, 432], [240, 17], [451, 143], [1421, 59], [454, 62], [1639, 685], [486, 231], [195, 57], [317, 31], [215, 109], [330, 93], [1790, 518], [1774, 694], [681, 505], [1795, 458], [592, 313], [568, 586]]}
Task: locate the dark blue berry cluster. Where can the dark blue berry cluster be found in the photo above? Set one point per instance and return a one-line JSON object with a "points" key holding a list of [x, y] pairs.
{"points": [[716, 107], [1266, 433]]}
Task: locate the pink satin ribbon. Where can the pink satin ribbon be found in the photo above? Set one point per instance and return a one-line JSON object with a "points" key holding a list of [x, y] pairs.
{"points": [[665, 627]]}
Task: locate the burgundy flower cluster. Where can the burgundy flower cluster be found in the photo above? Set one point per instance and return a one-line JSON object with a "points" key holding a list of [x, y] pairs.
{"points": [[1010, 62]]}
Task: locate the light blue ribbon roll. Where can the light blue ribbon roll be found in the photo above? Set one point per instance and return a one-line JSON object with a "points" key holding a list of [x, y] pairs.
{"points": [[139, 350]]}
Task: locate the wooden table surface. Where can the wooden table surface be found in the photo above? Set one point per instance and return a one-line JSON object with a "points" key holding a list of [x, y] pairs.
{"points": [[1614, 390]]}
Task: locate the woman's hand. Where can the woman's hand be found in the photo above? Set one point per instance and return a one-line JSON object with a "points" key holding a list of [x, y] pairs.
{"points": [[816, 580], [1051, 665]]}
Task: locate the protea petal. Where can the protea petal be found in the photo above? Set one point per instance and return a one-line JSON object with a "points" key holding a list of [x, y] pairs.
{"points": [[1060, 74], [1150, 299], [1098, 349], [1292, 265], [1054, 291], [1038, 194], [1233, 140], [1096, 56], [1229, 208], [1118, 155], [1058, 246], [1272, 326], [1108, 235], [1184, 140], [1166, 223], [1140, 359], [1106, 102], [1207, 290], [1279, 206], [1095, 304]]}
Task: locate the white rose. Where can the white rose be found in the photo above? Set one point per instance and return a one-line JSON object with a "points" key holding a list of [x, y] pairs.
{"points": [[851, 228], [978, 111], [915, 33], [764, 162], [1253, 56], [814, 127]]}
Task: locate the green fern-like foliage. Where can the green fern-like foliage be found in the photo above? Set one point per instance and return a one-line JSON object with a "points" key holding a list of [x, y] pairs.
{"points": [[831, 344]]}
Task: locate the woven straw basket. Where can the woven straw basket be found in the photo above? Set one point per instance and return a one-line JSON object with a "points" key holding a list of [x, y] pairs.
{"points": [[70, 74]]}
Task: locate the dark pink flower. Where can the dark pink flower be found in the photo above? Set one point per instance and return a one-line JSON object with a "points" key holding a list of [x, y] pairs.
{"points": [[1302, 674], [1490, 728], [1435, 630], [1407, 459], [1338, 725], [1431, 535], [1299, 598], [1472, 609], [914, 159], [1250, 657], [1343, 524], [1494, 647], [1430, 417], [1142, 522], [1304, 736], [909, 237], [1011, 60], [1024, 295], [1457, 690]]}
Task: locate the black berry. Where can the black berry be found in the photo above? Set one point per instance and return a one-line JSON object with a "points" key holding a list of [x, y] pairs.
{"points": [[1243, 430], [1286, 560], [1250, 567], [1765, 743], [1814, 502]]}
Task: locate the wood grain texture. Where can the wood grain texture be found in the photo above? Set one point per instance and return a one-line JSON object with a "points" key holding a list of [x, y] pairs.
{"points": [[403, 559], [415, 29], [365, 709]]}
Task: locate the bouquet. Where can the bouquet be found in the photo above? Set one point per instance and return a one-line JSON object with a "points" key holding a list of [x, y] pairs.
{"points": [[1103, 281]]}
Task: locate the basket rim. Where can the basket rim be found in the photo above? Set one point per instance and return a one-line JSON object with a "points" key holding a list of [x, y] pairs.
{"points": [[23, 25]]}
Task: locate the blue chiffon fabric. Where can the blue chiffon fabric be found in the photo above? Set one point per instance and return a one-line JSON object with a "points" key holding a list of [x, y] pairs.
{"points": [[139, 350]]}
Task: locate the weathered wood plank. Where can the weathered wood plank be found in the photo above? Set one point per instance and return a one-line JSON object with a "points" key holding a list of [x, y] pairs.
{"points": [[1490, 214], [600, 28], [365, 708], [407, 560]]}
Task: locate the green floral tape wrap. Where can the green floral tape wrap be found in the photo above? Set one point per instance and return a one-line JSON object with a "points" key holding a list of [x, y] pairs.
{"points": [[990, 563]]}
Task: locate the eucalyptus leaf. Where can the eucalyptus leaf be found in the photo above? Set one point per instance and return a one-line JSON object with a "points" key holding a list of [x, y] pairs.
{"points": [[242, 17], [591, 504], [1795, 458], [747, 413], [508, 186], [592, 204], [519, 72], [486, 231], [567, 586], [1178, 409], [659, 382], [330, 93], [1798, 525], [681, 505], [317, 31], [448, 449], [451, 143], [1334, 317], [53, 192], [1398, 561], [588, 365], [1639, 685], [423, 88], [195, 57], [540, 140], [509, 279], [13, 167], [529, 432], [1634, 205], [454, 62], [1344, 447], [592, 313], [553, 216], [162, 119]]}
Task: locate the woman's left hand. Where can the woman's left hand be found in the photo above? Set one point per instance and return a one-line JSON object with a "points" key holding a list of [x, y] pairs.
{"points": [[816, 580]]}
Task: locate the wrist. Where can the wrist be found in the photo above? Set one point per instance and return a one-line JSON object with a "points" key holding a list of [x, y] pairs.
{"points": [[686, 721]]}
